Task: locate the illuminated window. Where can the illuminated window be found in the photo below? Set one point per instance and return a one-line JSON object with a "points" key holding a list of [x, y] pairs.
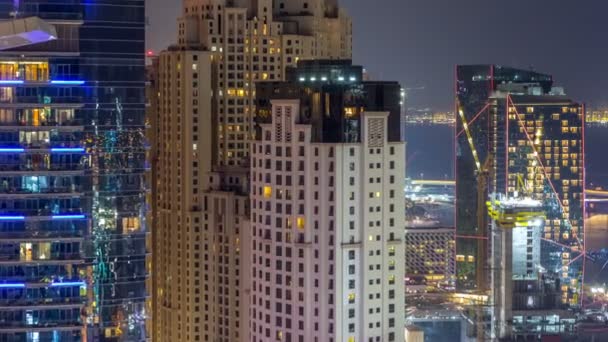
{"points": [[351, 298], [460, 258], [300, 223], [391, 279], [470, 258], [130, 224], [25, 252], [267, 192]]}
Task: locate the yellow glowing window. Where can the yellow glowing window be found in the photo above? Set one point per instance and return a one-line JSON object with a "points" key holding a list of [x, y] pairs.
{"points": [[391, 251], [351, 339], [378, 194], [371, 238], [391, 279], [470, 258], [267, 191], [25, 252], [460, 257], [300, 223], [130, 223], [349, 112], [530, 110], [264, 76], [351, 298]]}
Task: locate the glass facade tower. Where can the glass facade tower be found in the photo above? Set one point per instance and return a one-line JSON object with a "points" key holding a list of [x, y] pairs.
{"points": [[538, 148], [474, 84], [72, 175]]}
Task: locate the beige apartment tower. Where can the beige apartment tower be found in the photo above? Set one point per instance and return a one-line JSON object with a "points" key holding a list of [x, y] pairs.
{"points": [[252, 42], [201, 132]]}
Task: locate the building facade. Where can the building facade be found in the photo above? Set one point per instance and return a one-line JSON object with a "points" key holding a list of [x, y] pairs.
{"points": [[72, 174], [474, 85], [538, 144], [252, 41], [429, 254], [327, 223], [207, 90], [200, 221]]}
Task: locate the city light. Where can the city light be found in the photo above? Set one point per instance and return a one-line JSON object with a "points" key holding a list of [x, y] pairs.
{"points": [[68, 217], [67, 82], [11, 82], [65, 284], [11, 150], [12, 218], [67, 150]]}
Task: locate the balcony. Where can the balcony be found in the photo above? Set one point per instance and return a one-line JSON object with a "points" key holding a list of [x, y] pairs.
{"points": [[15, 193], [42, 101], [18, 327], [42, 125], [42, 170], [54, 259], [41, 304]]}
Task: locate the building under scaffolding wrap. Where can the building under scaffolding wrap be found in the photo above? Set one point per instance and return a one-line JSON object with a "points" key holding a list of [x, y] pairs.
{"points": [[72, 173]]}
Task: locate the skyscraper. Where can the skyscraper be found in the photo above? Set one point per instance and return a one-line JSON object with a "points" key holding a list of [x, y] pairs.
{"points": [[72, 175], [516, 133], [253, 41], [474, 86], [207, 90], [327, 209], [537, 144]]}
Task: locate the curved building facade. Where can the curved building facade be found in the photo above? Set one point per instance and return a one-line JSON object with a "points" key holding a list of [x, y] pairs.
{"points": [[72, 174]]}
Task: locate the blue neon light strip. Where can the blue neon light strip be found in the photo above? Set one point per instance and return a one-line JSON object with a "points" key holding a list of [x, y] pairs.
{"points": [[67, 149], [11, 150], [68, 217], [12, 218], [67, 82], [17, 285], [70, 283], [11, 82]]}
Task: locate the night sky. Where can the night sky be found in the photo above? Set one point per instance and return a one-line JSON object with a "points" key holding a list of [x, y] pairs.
{"points": [[418, 42]]}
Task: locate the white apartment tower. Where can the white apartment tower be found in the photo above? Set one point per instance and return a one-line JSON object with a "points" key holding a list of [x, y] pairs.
{"points": [[327, 221]]}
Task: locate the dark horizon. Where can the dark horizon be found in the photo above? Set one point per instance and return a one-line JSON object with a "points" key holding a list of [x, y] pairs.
{"points": [[566, 41]]}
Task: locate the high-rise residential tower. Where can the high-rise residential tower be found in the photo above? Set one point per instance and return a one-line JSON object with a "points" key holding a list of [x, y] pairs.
{"points": [[327, 214], [206, 118], [474, 86], [253, 41], [72, 173], [537, 144], [516, 133]]}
